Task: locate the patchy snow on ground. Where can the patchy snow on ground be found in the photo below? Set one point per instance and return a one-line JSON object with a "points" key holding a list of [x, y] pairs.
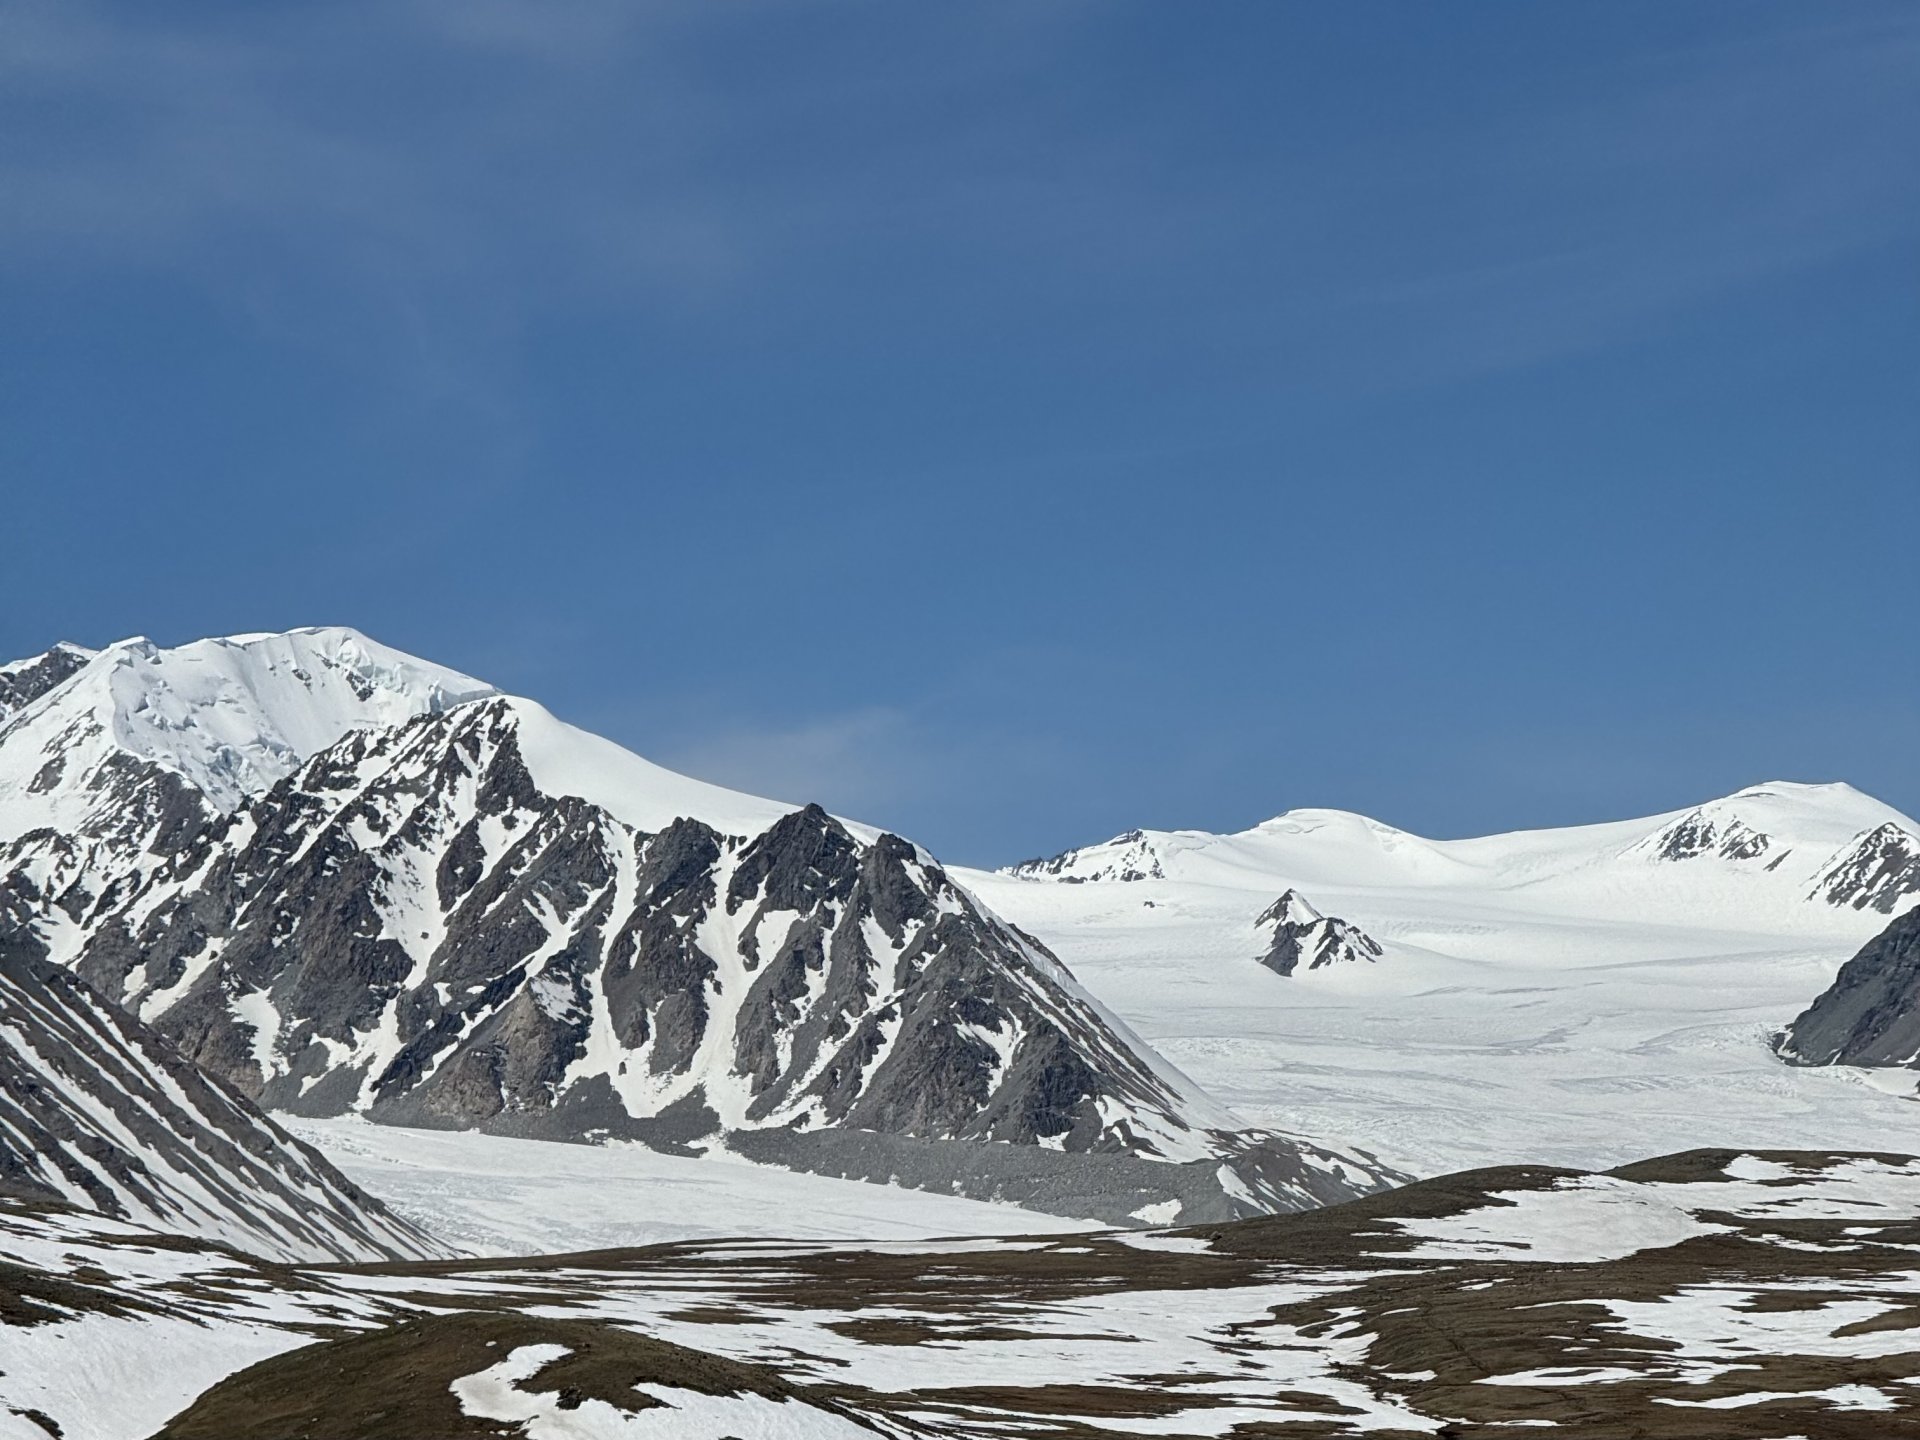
{"points": [[1591, 1219], [110, 1377], [1184, 1334], [500, 1392], [1602, 1217]]}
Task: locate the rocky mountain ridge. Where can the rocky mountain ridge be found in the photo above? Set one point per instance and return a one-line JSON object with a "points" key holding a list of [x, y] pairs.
{"points": [[98, 1111], [422, 921]]}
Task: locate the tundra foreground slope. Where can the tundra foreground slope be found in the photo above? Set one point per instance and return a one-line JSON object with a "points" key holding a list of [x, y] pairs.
{"points": [[1709, 1295]]}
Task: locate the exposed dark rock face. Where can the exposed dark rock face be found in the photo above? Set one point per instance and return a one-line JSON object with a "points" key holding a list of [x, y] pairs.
{"points": [[1299, 937], [407, 926], [1870, 1015], [1700, 834], [1126, 857], [99, 1111], [25, 681], [1879, 871]]}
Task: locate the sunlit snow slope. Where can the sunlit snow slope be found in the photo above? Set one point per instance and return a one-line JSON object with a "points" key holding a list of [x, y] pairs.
{"points": [[1578, 996]]}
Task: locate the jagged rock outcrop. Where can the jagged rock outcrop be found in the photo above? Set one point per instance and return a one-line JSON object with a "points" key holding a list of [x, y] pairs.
{"points": [[1701, 833], [1879, 871], [1127, 857], [1299, 937], [1870, 1015], [24, 681], [97, 1110]]}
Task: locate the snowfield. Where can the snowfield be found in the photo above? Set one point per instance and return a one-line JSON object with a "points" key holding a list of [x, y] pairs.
{"points": [[1577, 997], [491, 1195]]}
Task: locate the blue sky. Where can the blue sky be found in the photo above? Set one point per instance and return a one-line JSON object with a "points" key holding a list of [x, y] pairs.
{"points": [[1007, 423]]}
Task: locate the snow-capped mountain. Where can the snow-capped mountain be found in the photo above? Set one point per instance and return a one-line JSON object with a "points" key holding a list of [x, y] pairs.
{"points": [[408, 897], [228, 717], [1132, 856], [1299, 937], [99, 1112], [1848, 847], [1571, 995], [112, 760]]}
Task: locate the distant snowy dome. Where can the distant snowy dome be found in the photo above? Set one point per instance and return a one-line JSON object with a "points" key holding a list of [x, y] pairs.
{"points": [[1771, 843]]}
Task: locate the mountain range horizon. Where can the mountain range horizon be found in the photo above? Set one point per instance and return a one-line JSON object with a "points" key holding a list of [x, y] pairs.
{"points": [[242, 638]]}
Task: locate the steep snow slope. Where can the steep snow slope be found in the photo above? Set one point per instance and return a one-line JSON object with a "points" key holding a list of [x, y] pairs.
{"points": [[473, 915], [1574, 996], [98, 1111]]}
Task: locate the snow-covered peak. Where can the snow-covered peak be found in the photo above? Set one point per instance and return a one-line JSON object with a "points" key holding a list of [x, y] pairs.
{"points": [[1298, 937], [1308, 819], [1291, 908], [24, 681], [228, 716], [1136, 855], [1764, 824], [234, 715], [59, 648]]}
